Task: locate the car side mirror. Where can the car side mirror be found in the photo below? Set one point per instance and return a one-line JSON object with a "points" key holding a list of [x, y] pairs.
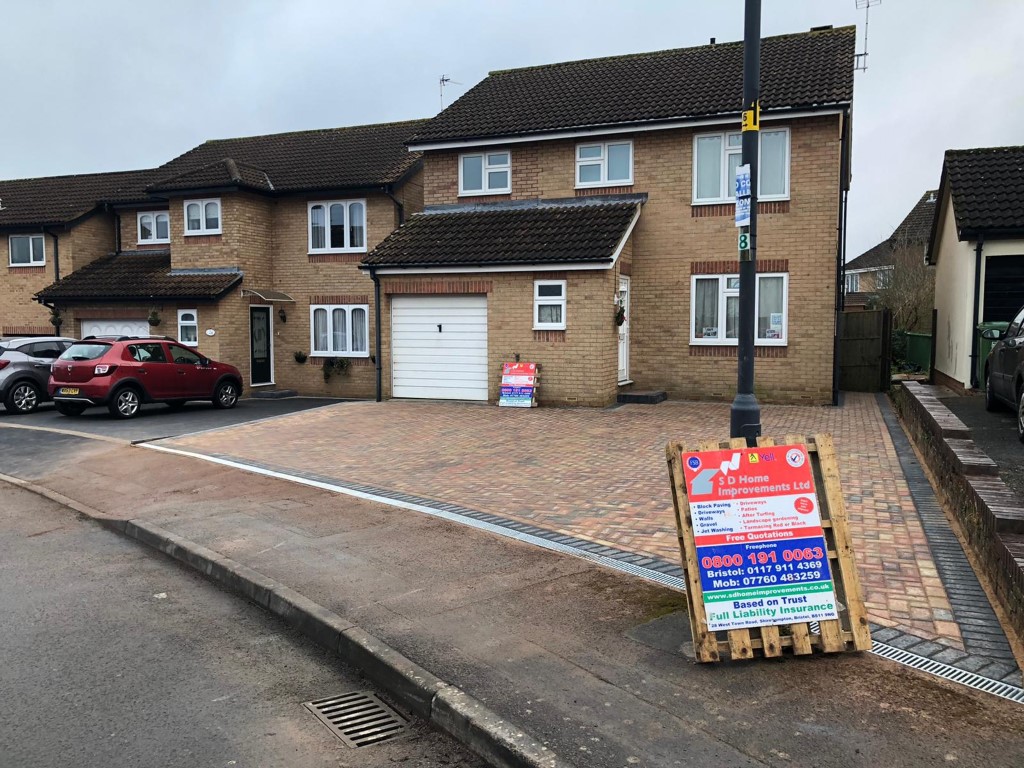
{"points": [[993, 334]]}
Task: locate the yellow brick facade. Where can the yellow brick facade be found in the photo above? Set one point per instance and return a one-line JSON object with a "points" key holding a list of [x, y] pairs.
{"points": [[673, 239]]}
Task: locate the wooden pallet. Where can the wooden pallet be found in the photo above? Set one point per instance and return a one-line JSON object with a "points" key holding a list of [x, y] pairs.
{"points": [[850, 632]]}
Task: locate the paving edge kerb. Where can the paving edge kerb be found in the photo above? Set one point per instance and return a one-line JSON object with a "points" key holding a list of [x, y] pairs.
{"points": [[501, 743], [498, 741]]}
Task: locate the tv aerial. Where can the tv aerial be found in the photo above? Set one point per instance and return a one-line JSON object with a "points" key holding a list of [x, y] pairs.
{"points": [[442, 83], [860, 60]]}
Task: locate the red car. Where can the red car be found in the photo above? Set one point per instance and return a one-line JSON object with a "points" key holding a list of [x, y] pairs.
{"points": [[123, 372]]}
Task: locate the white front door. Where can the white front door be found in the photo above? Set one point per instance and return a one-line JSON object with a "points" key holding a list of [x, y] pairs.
{"points": [[119, 327], [624, 330], [439, 347]]}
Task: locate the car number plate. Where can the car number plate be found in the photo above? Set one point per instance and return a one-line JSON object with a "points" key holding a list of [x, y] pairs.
{"points": [[69, 390]]}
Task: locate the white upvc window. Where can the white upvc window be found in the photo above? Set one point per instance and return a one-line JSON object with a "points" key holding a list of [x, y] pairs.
{"points": [[485, 173], [339, 330], [27, 251], [154, 227], [549, 305], [202, 217], [716, 156], [337, 226], [852, 282], [604, 164], [715, 309], [188, 327]]}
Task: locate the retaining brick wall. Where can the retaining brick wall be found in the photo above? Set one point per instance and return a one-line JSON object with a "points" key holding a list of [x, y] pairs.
{"points": [[990, 515]]}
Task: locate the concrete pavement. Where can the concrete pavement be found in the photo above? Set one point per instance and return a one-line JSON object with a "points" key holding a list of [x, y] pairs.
{"points": [[584, 658]]}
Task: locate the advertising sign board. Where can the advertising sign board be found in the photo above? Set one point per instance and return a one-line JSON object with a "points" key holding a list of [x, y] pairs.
{"points": [[760, 546], [518, 385]]}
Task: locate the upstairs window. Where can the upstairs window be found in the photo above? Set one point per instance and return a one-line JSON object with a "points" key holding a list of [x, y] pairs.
{"points": [[715, 309], [337, 226], [549, 305], [852, 282], [606, 164], [489, 173], [341, 329], [716, 156], [27, 251], [202, 217], [154, 227]]}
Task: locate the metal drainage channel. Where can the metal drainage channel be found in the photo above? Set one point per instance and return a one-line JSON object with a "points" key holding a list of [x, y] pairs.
{"points": [[900, 656], [359, 718]]}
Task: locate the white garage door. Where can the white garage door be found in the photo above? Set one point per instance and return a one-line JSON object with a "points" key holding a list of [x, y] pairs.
{"points": [[115, 327], [439, 347]]}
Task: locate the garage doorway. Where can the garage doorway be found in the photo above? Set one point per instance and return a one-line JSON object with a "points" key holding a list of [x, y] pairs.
{"points": [[439, 347]]}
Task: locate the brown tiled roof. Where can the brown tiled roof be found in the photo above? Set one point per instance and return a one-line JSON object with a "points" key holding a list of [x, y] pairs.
{"points": [[138, 275], [572, 231], [987, 186], [333, 158], [915, 229], [798, 71], [221, 173], [62, 199]]}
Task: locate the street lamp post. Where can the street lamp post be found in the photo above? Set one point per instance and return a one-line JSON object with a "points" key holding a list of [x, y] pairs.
{"points": [[745, 415]]}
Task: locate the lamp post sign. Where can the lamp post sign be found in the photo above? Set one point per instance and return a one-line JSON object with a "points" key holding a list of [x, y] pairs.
{"points": [[743, 196], [761, 550]]}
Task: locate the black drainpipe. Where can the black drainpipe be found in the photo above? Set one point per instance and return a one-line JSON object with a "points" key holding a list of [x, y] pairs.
{"points": [[56, 253], [840, 297], [117, 232], [376, 327], [399, 206], [977, 306]]}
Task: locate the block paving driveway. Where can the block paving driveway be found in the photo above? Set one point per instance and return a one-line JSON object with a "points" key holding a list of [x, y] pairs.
{"points": [[600, 475]]}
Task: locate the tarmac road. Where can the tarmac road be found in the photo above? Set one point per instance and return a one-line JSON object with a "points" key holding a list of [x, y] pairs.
{"points": [[112, 656]]}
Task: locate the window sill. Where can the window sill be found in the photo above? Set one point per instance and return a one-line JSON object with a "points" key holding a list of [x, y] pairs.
{"points": [[352, 355], [335, 251], [486, 192], [733, 343], [206, 233], [144, 243], [38, 265], [605, 184], [549, 327], [732, 201]]}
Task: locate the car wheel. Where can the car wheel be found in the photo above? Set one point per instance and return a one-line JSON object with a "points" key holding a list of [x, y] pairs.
{"points": [[126, 403], [226, 395], [69, 409], [1020, 415], [23, 398], [990, 395]]}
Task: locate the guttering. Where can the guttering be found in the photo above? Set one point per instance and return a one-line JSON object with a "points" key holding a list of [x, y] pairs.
{"points": [[613, 128], [376, 328], [977, 307]]}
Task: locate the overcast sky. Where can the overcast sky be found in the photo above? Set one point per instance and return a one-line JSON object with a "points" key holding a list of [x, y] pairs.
{"points": [[110, 85]]}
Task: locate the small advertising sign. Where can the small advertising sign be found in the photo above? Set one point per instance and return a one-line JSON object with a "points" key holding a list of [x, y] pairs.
{"points": [[760, 546], [743, 196], [518, 385]]}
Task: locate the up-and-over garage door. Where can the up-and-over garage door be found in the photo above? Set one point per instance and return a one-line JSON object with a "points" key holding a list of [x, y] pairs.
{"points": [[118, 327], [439, 347]]}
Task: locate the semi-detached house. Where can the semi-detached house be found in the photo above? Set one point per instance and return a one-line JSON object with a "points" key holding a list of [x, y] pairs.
{"points": [[581, 216], [248, 249]]}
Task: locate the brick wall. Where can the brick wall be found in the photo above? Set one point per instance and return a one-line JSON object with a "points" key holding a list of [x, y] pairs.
{"points": [[19, 312], [578, 365], [672, 234]]}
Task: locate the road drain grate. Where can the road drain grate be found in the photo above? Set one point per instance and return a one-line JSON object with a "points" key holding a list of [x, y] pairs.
{"points": [[358, 718]]}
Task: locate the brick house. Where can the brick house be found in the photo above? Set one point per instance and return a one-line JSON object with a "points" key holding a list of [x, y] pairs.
{"points": [[249, 250], [50, 227], [869, 273], [554, 195], [977, 247]]}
